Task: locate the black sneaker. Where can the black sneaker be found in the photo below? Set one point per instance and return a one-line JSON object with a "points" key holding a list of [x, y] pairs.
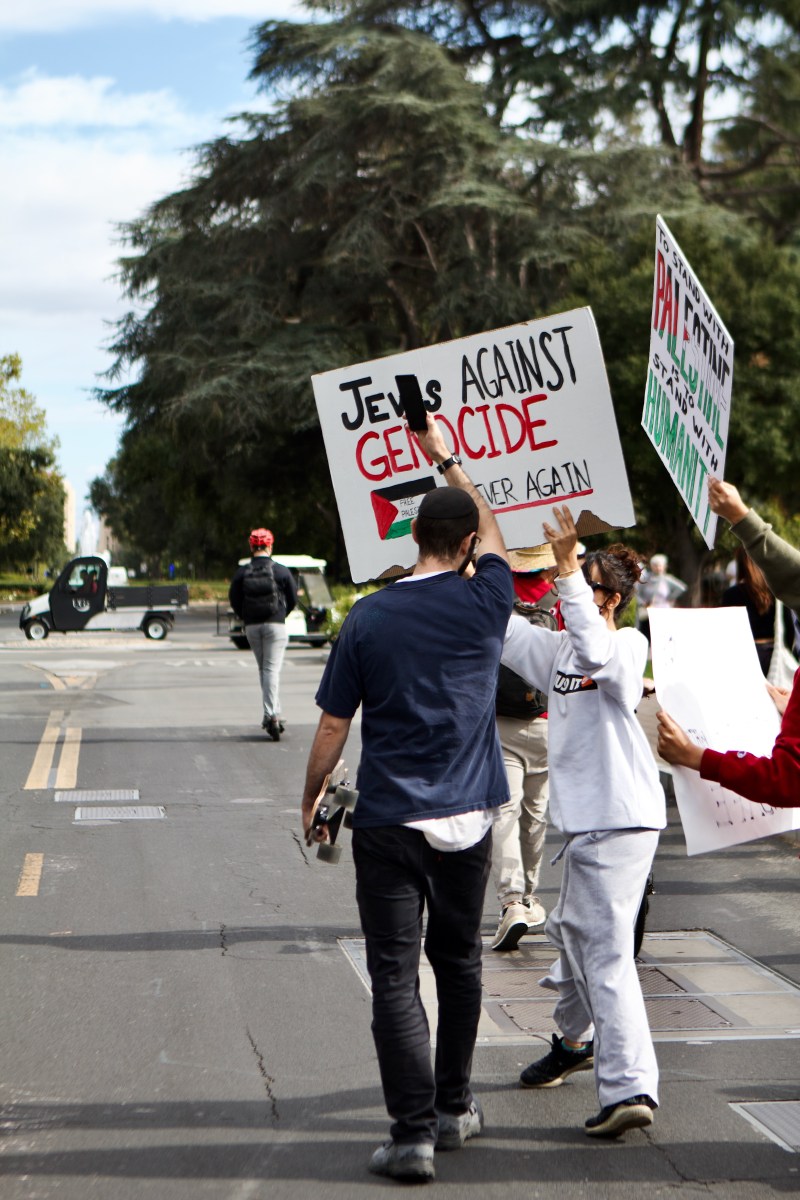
{"points": [[614, 1119], [273, 728], [556, 1066]]}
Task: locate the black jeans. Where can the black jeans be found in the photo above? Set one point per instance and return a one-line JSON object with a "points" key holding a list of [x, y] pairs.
{"points": [[397, 874]]}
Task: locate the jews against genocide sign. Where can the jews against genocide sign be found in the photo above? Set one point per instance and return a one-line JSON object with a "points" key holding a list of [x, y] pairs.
{"points": [[708, 678], [687, 403], [527, 408]]}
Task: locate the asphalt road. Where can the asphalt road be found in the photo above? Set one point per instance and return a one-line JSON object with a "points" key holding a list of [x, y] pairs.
{"points": [[178, 1016]]}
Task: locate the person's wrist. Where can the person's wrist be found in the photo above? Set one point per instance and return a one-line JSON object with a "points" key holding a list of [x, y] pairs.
{"points": [[737, 513], [692, 757]]}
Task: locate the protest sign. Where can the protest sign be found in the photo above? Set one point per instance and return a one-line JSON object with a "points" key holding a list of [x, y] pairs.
{"points": [[708, 678], [687, 401], [527, 408]]}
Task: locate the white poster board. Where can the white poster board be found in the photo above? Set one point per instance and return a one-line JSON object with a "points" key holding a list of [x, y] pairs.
{"points": [[708, 678], [687, 401], [528, 409]]}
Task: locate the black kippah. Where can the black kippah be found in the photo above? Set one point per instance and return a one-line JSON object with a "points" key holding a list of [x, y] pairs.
{"points": [[446, 503]]}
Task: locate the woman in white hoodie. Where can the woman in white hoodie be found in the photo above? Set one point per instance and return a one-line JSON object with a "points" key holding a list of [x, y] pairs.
{"points": [[606, 799]]}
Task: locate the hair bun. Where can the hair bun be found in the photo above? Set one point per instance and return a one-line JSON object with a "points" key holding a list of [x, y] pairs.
{"points": [[626, 557]]}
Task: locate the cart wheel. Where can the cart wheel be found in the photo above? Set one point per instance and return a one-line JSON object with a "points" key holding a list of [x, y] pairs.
{"points": [[36, 630], [329, 853]]}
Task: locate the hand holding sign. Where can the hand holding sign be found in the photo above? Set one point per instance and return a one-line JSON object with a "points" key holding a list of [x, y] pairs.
{"points": [[674, 745], [725, 500]]}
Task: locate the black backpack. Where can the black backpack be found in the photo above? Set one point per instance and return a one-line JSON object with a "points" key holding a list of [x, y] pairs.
{"points": [[515, 697], [262, 596]]}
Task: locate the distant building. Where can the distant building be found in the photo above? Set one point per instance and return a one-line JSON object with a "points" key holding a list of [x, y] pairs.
{"points": [[70, 517], [106, 542]]}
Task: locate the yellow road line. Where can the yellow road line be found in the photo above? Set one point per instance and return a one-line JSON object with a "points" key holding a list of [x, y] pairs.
{"points": [[67, 774], [40, 771], [31, 875], [56, 684]]}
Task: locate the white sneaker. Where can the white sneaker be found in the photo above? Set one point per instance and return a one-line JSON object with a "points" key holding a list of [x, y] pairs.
{"points": [[455, 1130], [411, 1161], [535, 912], [512, 928]]}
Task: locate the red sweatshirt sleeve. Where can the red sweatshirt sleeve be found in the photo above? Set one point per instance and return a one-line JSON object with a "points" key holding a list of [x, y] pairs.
{"points": [[774, 780]]}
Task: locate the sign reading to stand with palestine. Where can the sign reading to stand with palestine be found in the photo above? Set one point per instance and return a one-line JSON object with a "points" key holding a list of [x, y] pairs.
{"points": [[528, 410], [687, 402]]}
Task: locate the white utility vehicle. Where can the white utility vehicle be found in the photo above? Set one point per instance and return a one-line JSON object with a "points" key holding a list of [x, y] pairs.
{"points": [[89, 595], [314, 602]]}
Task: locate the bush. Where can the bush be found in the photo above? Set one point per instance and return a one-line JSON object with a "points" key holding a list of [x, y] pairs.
{"points": [[344, 597]]}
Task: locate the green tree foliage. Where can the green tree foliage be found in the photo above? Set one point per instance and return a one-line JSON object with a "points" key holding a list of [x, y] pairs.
{"points": [[714, 84], [31, 492], [433, 170]]}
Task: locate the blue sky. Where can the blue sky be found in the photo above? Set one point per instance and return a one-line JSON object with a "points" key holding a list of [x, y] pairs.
{"points": [[101, 102]]}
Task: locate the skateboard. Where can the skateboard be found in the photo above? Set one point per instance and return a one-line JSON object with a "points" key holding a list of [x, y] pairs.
{"points": [[333, 807]]}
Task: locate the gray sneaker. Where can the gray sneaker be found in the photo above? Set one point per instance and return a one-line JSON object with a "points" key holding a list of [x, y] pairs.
{"points": [[512, 928], [535, 912], [454, 1130], [412, 1161]]}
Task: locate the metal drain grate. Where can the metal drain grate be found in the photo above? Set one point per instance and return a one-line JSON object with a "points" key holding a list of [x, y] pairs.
{"points": [[104, 796], [503, 984], [531, 1016], [656, 983], [778, 1119], [142, 812], [682, 1012]]}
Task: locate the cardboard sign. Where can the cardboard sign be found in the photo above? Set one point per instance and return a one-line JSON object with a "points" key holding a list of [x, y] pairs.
{"points": [[687, 401], [527, 408], [708, 678]]}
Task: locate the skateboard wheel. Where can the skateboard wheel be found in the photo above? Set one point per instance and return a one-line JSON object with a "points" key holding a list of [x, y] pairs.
{"points": [[329, 853], [347, 797], [347, 820]]}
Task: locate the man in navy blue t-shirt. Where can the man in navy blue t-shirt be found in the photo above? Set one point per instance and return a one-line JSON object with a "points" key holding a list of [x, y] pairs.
{"points": [[421, 659]]}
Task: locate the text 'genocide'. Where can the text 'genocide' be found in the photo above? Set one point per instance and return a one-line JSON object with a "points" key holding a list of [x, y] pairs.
{"points": [[497, 415]]}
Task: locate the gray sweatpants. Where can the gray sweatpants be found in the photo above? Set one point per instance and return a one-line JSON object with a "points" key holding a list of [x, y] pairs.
{"points": [[595, 975], [268, 643]]}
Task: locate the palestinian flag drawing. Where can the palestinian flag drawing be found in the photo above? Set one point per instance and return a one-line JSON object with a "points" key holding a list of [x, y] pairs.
{"points": [[395, 507]]}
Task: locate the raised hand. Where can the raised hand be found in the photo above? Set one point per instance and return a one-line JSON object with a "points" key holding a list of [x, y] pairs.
{"points": [[563, 540], [432, 442]]}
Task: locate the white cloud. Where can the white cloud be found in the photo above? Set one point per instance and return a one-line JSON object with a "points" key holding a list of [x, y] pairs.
{"points": [[51, 16], [68, 195], [72, 100], [70, 177]]}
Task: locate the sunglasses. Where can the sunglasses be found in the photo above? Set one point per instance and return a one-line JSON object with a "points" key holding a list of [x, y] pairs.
{"points": [[596, 587]]}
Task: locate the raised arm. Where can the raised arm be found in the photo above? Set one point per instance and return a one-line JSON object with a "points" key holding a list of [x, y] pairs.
{"points": [[433, 444], [779, 560]]}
